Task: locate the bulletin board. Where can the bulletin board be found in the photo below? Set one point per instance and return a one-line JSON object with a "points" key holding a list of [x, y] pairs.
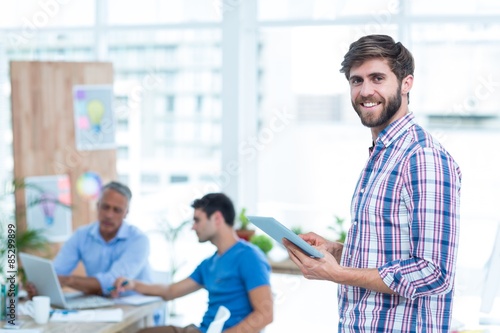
{"points": [[43, 125]]}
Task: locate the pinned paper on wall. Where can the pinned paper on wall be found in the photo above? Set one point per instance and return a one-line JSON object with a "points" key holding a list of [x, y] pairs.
{"points": [[94, 121], [48, 201]]}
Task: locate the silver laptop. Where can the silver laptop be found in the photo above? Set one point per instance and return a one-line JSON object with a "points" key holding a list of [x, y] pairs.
{"points": [[42, 274]]}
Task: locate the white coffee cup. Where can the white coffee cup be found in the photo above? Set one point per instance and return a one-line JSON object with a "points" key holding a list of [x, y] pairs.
{"points": [[39, 309]]}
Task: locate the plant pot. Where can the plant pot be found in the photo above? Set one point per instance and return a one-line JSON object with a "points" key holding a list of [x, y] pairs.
{"points": [[245, 234]]}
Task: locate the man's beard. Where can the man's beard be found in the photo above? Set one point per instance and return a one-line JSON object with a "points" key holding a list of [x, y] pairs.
{"points": [[392, 107]]}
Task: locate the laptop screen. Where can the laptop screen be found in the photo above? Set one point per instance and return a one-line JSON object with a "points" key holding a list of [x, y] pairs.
{"points": [[42, 274]]}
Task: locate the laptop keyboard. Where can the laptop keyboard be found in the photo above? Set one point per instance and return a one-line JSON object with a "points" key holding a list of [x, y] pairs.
{"points": [[89, 302]]}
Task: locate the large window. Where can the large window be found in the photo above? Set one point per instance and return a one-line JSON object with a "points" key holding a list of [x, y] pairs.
{"points": [[167, 62], [310, 145], [317, 10], [460, 85], [29, 17], [171, 83], [308, 167], [148, 12]]}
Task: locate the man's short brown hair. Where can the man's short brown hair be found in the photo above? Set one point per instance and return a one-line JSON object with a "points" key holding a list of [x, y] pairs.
{"points": [[368, 47]]}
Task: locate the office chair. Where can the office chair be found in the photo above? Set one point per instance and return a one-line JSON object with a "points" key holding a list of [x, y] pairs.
{"points": [[221, 316]]}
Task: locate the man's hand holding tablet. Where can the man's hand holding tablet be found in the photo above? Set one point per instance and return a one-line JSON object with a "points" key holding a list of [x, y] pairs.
{"points": [[278, 231]]}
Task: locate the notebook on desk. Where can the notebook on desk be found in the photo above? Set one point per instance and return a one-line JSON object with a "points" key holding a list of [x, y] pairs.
{"points": [[99, 315], [42, 274]]}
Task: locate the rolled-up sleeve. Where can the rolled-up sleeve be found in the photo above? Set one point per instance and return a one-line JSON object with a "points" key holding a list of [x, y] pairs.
{"points": [[432, 194]]}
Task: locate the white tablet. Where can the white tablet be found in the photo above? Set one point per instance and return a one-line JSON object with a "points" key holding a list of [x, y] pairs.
{"points": [[278, 231]]}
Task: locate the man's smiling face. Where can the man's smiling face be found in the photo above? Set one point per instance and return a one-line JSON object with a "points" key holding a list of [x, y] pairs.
{"points": [[376, 94]]}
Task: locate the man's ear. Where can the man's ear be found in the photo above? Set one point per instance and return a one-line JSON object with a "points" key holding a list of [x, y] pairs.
{"points": [[406, 84], [219, 219]]}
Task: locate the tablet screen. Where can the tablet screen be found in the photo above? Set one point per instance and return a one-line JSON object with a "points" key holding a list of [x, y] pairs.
{"points": [[278, 231]]}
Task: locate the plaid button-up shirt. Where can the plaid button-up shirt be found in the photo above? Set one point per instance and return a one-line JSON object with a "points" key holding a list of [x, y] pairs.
{"points": [[405, 222]]}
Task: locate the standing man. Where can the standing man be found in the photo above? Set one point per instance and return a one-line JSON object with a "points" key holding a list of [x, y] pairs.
{"points": [[108, 248], [396, 269], [235, 276]]}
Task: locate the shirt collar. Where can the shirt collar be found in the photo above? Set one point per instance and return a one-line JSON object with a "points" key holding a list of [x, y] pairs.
{"points": [[123, 232], [395, 129]]}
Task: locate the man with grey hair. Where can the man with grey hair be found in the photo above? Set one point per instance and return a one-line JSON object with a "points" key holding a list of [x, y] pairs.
{"points": [[108, 248]]}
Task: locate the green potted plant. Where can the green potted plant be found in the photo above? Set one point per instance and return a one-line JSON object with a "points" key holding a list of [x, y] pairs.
{"points": [[14, 240], [339, 229], [27, 240], [297, 230], [262, 242], [243, 230], [171, 233]]}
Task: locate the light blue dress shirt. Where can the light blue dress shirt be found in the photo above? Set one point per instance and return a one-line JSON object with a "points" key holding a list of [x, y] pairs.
{"points": [[125, 255]]}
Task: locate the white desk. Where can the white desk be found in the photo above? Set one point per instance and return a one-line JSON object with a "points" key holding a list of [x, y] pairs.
{"points": [[285, 266], [134, 318]]}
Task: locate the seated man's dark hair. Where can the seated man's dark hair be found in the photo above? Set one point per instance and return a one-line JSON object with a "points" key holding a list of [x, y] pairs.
{"points": [[212, 202]]}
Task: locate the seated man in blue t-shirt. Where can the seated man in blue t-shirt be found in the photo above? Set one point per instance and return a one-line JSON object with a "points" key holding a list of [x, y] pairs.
{"points": [[235, 276], [108, 248]]}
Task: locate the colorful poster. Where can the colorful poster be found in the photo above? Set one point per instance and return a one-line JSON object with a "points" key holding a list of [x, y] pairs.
{"points": [[94, 121], [48, 201], [88, 185]]}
